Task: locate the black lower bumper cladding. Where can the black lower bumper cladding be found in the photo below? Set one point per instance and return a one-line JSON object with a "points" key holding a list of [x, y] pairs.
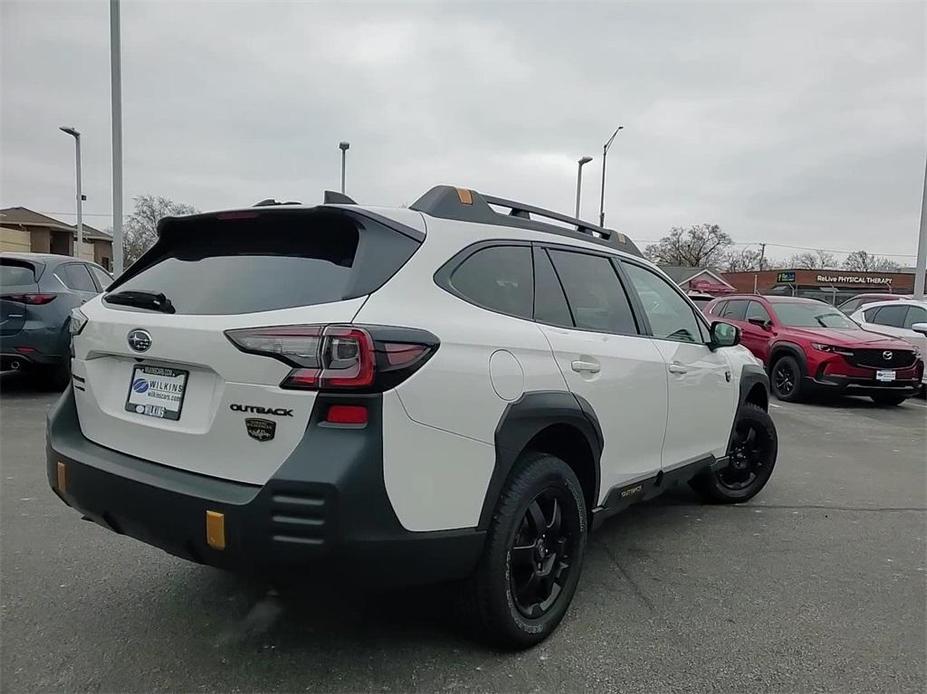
{"points": [[325, 509]]}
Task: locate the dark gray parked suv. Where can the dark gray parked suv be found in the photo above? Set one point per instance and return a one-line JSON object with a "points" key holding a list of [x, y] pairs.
{"points": [[37, 293]]}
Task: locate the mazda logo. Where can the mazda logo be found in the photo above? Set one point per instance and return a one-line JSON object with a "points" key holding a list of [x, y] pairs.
{"points": [[139, 340], [887, 355]]}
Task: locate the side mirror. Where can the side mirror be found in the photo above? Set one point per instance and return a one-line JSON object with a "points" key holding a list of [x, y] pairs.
{"points": [[920, 328], [764, 324], [724, 335]]}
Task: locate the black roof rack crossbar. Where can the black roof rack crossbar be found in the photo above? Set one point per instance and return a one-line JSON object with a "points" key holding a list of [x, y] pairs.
{"points": [[520, 209], [448, 202]]}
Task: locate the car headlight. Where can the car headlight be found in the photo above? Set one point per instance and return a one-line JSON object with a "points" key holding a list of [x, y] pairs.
{"points": [[78, 321], [833, 349]]}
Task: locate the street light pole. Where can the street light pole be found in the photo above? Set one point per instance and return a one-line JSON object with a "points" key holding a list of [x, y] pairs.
{"points": [[80, 198], [921, 265], [604, 155], [343, 146], [579, 180], [115, 62]]}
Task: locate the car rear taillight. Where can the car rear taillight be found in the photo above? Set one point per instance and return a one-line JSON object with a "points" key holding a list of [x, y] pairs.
{"points": [[340, 357], [32, 299]]}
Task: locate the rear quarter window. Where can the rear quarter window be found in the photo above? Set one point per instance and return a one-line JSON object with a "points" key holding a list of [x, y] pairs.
{"points": [[498, 278], [264, 261], [16, 273]]}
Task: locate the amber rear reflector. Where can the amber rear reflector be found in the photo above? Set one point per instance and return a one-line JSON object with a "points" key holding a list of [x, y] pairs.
{"points": [[466, 198], [62, 477], [215, 529]]}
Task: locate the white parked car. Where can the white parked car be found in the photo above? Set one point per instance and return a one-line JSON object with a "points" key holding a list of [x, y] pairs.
{"points": [[401, 396], [904, 318]]}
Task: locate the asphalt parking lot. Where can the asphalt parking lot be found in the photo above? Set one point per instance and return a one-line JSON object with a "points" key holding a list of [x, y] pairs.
{"points": [[819, 584]]}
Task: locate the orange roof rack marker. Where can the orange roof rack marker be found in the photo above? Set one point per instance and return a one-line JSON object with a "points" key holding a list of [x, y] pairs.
{"points": [[466, 197]]}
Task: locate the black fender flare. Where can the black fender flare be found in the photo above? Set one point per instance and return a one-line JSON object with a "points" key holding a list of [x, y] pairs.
{"points": [[524, 419], [752, 376], [793, 350]]}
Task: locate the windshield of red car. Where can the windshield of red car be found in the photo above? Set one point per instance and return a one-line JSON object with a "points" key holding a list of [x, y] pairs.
{"points": [[802, 315]]}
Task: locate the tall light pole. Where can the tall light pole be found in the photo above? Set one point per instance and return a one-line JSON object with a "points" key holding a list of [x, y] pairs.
{"points": [[921, 265], [80, 198], [579, 180], [604, 155], [115, 63], [344, 147]]}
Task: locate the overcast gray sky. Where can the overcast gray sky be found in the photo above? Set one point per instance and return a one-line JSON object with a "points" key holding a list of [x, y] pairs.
{"points": [[790, 123]]}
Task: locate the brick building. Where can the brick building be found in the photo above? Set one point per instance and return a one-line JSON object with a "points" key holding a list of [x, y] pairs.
{"points": [[832, 286]]}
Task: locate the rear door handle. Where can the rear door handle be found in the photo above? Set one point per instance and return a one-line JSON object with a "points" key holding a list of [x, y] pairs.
{"points": [[677, 368], [586, 366]]}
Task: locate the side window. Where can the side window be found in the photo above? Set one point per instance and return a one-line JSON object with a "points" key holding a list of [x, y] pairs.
{"points": [[756, 310], [916, 314], [892, 316], [735, 309], [670, 316], [102, 278], [75, 276], [718, 308], [550, 304], [597, 299], [849, 306], [499, 278]]}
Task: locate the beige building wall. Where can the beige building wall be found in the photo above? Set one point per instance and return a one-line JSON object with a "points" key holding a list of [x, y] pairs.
{"points": [[41, 241], [15, 240]]}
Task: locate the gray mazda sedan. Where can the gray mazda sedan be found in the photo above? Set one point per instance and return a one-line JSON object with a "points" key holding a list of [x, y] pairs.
{"points": [[37, 293]]}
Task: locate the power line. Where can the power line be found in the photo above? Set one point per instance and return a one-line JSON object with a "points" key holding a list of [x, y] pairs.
{"points": [[71, 214], [800, 248]]}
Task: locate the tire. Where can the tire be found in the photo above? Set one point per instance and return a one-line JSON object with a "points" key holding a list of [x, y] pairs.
{"points": [[750, 464], [54, 377], [785, 379], [888, 399], [499, 599]]}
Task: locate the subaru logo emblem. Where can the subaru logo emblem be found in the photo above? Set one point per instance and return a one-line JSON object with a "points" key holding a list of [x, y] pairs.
{"points": [[139, 340], [887, 355]]}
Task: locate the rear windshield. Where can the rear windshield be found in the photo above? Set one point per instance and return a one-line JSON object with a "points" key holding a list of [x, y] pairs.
{"points": [[811, 315], [16, 273], [273, 260]]}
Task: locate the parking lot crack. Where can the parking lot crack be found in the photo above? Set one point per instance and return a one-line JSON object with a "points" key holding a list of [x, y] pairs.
{"points": [[635, 588]]}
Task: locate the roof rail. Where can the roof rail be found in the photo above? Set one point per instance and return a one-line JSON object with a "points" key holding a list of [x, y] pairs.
{"points": [[331, 197], [448, 202], [269, 202]]}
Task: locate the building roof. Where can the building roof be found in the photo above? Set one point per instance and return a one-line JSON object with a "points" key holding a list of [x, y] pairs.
{"points": [[681, 274], [12, 217], [22, 216]]}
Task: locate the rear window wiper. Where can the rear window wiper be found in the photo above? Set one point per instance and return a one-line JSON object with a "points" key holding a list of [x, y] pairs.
{"points": [[156, 301]]}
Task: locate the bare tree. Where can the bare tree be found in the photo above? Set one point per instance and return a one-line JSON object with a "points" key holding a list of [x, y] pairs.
{"points": [[700, 245], [744, 260], [817, 260], [866, 262], [141, 226]]}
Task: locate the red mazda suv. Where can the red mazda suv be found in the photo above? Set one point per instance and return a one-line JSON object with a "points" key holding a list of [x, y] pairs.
{"points": [[807, 345]]}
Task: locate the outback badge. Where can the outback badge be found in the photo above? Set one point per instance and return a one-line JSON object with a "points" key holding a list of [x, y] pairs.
{"points": [[260, 429]]}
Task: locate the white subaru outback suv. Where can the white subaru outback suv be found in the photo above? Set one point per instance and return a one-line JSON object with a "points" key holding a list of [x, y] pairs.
{"points": [[399, 396]]}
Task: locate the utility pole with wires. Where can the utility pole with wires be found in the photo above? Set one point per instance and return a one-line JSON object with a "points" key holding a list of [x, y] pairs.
{"points": [[921, 265], [762, 256]]}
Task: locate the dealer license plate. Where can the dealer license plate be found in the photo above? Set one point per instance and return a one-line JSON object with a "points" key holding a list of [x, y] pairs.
{"points": [[885, 375], [156, 391]]}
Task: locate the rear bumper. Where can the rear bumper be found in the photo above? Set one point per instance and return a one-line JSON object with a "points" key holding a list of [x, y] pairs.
{"points": [[325, 509], [34, 346]]}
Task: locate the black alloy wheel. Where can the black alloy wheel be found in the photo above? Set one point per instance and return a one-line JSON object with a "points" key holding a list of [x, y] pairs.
{"points": [[749, 452], [751, 457], [541, 554], [786, 379]]}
